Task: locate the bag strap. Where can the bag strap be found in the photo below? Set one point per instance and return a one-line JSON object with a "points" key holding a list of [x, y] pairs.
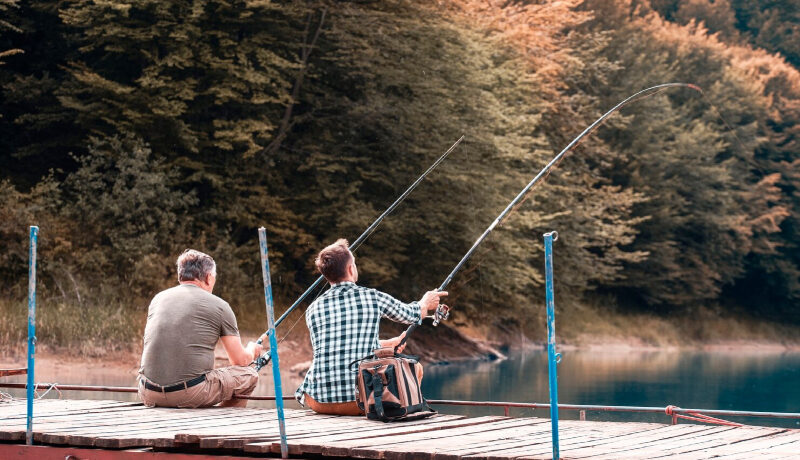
{"points": [[358, 360], [377, 392]]}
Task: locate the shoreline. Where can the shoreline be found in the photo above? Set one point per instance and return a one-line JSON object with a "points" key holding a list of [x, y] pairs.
{"points": [[733, 346], [294, 357]]}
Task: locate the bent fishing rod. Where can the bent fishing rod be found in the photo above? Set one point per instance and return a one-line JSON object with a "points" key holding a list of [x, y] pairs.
{"points": [[264, 359], [443, 311]]}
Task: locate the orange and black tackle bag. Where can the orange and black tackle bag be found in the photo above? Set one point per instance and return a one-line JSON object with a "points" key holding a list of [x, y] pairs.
{"points": [[387, 387]]}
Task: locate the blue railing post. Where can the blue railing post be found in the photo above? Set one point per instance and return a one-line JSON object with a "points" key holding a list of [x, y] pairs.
{"points": [[34, 236], [553, 358], [273, 342]]}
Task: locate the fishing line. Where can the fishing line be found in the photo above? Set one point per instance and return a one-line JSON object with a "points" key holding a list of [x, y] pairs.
{"points": [[442, 313]]}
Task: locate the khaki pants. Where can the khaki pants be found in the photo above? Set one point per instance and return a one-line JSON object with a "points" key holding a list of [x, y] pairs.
{"points": [[345, 408], [220, 386]]}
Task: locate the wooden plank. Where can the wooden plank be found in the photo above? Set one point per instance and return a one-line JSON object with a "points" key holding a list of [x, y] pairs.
{"points": [[53, 410], [653, 447], [512, 437], [238, 443], [54, 407], [314, 427], [371, 436], [118, 424], [237, 426], [23, 452], [113, 422], [10, 431], [504, 440], [578, 434], [310, 431], [315, 444], [715, 442], [336, 427], [233, 427], [374, 447], [10, 372], [85, 417], [63, 434], [786, 442], [611, 444], [790, 453], [163, 431], [566, 433], [590, 445]]}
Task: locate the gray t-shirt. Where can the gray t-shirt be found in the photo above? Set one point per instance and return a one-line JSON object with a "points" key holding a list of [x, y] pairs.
{"points": [[184, 324]]}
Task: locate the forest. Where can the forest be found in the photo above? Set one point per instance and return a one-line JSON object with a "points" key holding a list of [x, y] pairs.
{"points": [[133, 129]]}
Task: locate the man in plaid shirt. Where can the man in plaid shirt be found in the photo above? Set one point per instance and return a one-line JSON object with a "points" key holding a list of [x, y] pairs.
{"points": [[343, 324]]}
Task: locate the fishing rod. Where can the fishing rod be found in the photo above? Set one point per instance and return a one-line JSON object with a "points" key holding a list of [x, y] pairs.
{"points": [[443, 311], [264, 359]]}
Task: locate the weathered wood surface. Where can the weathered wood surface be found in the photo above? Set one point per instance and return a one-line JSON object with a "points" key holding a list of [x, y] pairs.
{"points": [[10, 372], [254, 432]]}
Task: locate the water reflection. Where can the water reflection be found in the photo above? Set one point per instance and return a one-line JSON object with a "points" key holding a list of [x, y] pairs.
{"points": [[768, 382]]}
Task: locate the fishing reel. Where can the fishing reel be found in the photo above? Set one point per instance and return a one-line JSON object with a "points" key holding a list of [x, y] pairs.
{"points": [[261, 361], [442, 313]]}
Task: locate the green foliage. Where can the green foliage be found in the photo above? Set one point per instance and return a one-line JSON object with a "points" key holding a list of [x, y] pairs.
{"points": [[5, 26], [127, 216], [164, 125], [18, 211], [714, 209]]}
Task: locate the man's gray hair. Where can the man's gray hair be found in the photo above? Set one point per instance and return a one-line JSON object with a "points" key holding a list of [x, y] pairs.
{"points": [[195, 265]]}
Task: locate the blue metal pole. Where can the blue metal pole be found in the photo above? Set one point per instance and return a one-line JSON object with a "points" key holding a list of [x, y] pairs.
{"points": [[553, 358], [273, 342], [34, 236]]}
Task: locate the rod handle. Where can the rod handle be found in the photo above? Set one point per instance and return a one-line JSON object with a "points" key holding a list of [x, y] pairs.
{"points": [[408, 333]]}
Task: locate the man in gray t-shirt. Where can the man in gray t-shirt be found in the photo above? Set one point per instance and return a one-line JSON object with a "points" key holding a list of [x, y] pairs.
{"points": [[184, 324]]}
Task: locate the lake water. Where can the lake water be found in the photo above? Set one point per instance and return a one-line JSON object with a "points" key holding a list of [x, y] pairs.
{"points": [[750, 381], [764, 382]]}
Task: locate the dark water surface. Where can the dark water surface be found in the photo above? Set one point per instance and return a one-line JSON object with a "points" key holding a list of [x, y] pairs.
{"points": [[746, 381], [735, 380]]}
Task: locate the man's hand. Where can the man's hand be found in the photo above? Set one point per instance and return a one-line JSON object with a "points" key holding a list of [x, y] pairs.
{"points": [[430, 301], [393, 342], [255, 349]]}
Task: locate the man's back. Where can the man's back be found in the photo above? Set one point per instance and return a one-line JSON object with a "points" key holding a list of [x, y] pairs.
{"points": [[343, 325], [184, 324]]}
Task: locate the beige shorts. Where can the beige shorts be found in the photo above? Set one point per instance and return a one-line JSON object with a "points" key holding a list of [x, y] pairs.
{"points": [[220, 385]]}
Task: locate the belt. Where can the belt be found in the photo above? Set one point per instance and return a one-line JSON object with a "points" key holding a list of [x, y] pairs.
{"points": [[176, 387]]}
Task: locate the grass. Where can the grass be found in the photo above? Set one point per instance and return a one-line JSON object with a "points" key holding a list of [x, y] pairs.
{"points": [[104, 324], [87, 329], [703, 325], [97, 328]]}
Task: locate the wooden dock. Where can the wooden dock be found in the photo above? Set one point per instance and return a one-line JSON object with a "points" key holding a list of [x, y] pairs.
{"points": [[130, 428]]}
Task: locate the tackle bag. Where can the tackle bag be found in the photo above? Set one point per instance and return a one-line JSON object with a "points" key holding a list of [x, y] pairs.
{"points": [[387, 388]]}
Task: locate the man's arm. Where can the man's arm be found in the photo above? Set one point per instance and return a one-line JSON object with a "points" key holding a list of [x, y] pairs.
{"points": [[237, 354], [408, 313]]}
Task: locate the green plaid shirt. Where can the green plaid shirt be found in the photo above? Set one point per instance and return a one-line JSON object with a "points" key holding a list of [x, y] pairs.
{"points": [[344, 324]]}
